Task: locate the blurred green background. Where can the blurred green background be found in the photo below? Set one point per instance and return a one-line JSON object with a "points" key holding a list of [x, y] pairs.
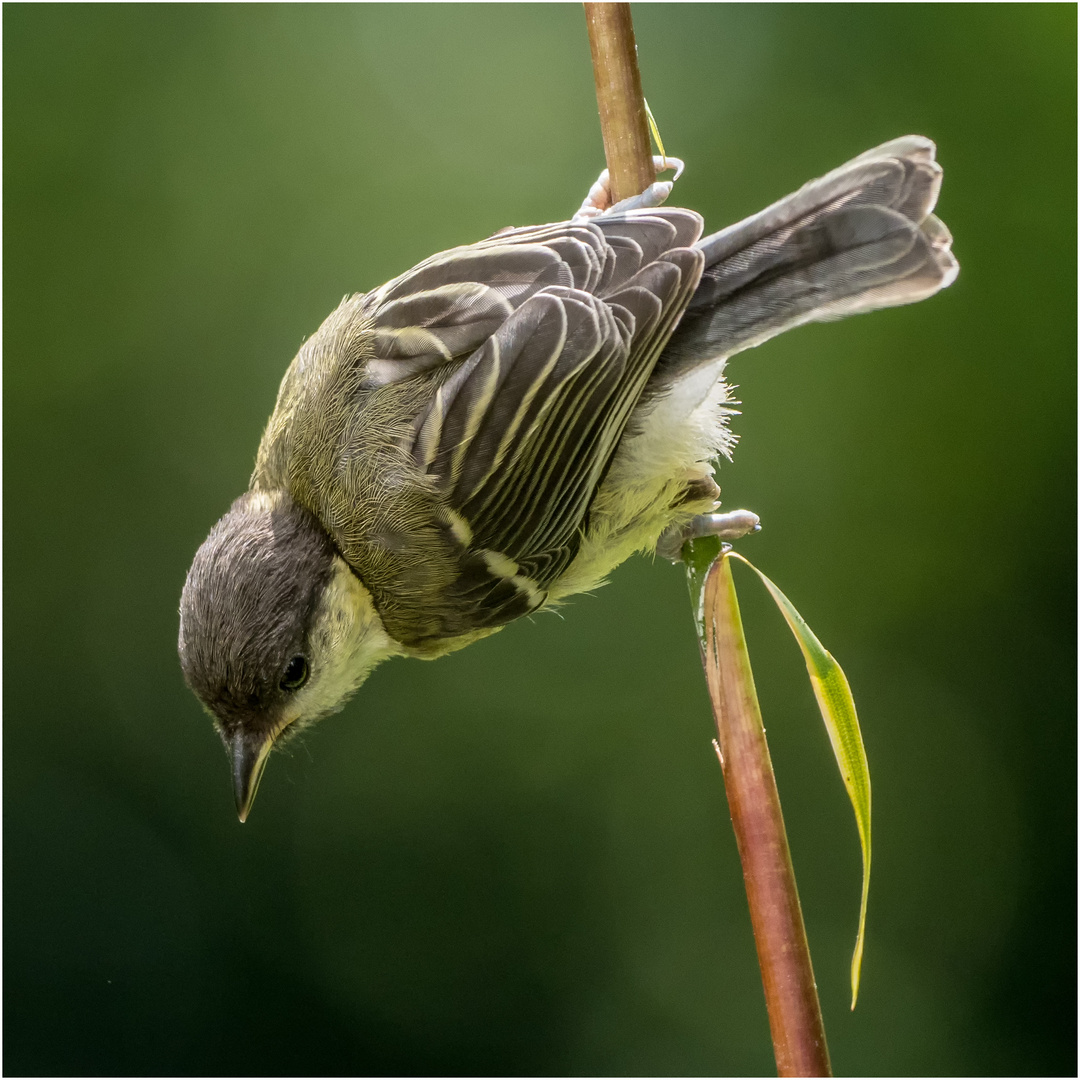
{"points": [[518, 860]]}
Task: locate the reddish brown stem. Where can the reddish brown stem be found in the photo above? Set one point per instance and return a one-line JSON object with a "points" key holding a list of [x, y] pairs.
{"points": [[787, 976], [786, 972], [618, 94]]}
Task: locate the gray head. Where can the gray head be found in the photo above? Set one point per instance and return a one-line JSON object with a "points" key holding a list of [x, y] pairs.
{"points": [[275, 629]]}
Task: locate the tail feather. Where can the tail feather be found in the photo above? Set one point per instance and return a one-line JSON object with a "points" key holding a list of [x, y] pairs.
{"points": [[860, 238]]}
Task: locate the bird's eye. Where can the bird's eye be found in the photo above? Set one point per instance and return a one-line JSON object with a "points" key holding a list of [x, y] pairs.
{"points": [[296, 673]]}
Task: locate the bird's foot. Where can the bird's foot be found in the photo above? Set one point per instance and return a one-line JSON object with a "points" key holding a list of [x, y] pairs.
{"points": [[598, 201], [729, 526]]}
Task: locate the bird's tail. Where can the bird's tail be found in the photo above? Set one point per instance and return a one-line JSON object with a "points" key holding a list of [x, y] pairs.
{"points": [[860, 238]]}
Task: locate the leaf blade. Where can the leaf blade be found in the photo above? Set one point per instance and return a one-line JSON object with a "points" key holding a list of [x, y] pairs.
{"points": [[837, 707]]}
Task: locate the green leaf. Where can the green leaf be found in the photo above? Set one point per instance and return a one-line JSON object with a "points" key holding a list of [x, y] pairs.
{"points": [[654, 130], [842, 722]]}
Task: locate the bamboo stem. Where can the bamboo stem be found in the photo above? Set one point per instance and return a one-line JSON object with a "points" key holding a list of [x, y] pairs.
{"points": [[787, 974], [618, 95]]}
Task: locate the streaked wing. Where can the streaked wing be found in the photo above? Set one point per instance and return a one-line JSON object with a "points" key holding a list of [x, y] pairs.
{"points": [[560, 327], [447, 306]]}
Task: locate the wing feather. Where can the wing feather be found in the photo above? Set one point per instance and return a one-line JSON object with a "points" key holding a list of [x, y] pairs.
{"points": [[541, 340]]}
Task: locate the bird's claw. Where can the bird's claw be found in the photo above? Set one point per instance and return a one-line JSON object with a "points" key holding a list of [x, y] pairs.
{"points": [[729, 526], [598, 201]]}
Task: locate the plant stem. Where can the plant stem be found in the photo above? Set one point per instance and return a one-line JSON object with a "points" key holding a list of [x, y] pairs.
{"points": [[787, 975], [798, 1033], [618, 95]]}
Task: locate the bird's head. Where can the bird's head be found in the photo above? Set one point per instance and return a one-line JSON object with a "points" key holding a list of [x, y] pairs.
{"points": [[275, 630]]}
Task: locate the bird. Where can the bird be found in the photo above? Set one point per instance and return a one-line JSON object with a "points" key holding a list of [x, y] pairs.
{"points": [[498, 428]]}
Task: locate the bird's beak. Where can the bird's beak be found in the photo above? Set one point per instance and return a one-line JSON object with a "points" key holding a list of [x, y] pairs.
{"points": [[249, 756]]}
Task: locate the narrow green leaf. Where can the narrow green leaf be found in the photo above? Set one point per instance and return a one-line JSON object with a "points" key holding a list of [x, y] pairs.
{"points": [[654, 130], [842, 722]]}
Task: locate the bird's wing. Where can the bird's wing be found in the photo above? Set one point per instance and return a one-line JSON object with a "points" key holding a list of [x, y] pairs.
{"points": [[560, 327]]}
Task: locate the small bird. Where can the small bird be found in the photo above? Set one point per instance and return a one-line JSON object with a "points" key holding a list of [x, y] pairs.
{"points": [[500, 427]]}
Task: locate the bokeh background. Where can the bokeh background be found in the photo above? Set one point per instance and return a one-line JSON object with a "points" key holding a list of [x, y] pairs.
{"points": [[518, 860]]}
